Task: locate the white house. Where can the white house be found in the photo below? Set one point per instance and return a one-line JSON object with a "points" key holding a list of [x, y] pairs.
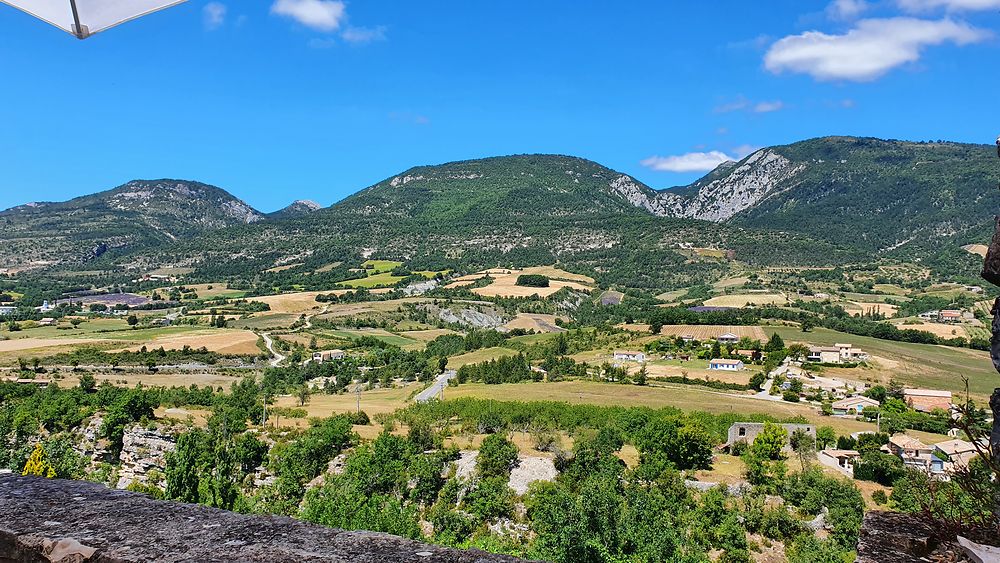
{"points": [[854, 405], [629, 356], [728, 338], [719, 364], [836, 354], [5, 310], [328, 355], [824, 355]]}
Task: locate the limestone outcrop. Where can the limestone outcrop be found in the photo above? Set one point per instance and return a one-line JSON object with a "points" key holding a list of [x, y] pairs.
{"points": [[44, 520]]}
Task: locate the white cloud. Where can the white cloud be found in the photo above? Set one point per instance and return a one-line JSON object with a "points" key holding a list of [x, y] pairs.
{"points": [[743, 104], [846, 9], [768, 107], [950, 5], [214, 15], [738, 104], [363, 35], [690, 162], [870, 50], [321, 15]]}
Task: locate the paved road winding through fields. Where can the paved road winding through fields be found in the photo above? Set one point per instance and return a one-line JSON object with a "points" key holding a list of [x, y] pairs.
{"points": [[437, 387]]}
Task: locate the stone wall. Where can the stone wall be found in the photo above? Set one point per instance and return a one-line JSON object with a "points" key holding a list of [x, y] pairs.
{"points": [[44, 520]]}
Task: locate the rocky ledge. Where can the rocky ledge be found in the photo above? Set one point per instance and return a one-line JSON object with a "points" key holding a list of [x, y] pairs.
{"points": [[57, 521], [891, 537]]}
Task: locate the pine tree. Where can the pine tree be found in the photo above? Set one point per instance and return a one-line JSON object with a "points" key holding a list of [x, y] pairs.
{"points": [[38, 464]]}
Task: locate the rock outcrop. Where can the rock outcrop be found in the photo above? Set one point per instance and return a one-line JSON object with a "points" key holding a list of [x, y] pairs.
{"points": [[144, 456], [891, 537], [77, 521]]}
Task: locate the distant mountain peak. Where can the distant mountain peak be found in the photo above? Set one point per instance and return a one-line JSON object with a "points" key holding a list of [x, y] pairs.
{"points": [[297, 207]]}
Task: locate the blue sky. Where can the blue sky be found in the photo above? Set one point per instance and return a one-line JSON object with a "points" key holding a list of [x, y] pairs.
{"points": [[276, 100]]}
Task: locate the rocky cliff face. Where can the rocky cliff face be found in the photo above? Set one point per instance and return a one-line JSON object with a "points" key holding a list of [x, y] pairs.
{"points": [[735, 189], [144, 456], [77, 521]]}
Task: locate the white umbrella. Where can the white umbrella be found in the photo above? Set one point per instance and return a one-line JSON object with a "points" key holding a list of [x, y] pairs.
{"points": [[84, 18]]}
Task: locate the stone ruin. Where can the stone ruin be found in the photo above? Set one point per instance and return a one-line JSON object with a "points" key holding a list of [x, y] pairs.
{"points": [[54, 521]]}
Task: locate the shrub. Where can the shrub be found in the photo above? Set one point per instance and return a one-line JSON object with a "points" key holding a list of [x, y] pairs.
{"points": [[532, 280]]}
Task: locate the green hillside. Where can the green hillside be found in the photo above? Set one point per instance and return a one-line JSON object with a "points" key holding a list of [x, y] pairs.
{"points": [[138, 214]]}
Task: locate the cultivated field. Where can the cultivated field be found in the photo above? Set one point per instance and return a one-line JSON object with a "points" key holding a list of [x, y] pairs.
{"points": [[535, 322], [938, 329], [695, 369], [373, 402], [979, 249], [300, 302], [710, 332], [425, 336], [505, 282], [223, 341], [745, 299], [23, 344], [203, 291], [857, 309]]}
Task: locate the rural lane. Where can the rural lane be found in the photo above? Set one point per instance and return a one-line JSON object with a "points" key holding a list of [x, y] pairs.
{"points": [[278, 358], [437, 387]]}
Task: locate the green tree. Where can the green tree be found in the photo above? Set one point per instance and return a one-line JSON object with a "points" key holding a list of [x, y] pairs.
{"points": [[774, 344], [497, 456], [641, 376], [804, 445], [770, 442], [87, 382], [826, 436]]}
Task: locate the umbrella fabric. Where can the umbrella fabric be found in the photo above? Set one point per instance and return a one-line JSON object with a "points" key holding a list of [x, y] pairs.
{"points": [[94, 15]]}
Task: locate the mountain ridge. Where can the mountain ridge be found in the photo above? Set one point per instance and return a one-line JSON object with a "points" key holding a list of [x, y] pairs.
{"points": [[822, 200]]}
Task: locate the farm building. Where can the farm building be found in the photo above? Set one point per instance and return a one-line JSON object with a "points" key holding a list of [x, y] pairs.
{"points": [[950, 316], [629, 356], [725, 365], [47, 321], [748, 431], [926, 400], [728, 338], [929, 315], [853, 405], [328, 355]]}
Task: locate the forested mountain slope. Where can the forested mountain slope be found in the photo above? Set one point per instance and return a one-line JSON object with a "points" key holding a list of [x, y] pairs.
{"points": [[518, 210], [888, 197], [138, 214]]}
